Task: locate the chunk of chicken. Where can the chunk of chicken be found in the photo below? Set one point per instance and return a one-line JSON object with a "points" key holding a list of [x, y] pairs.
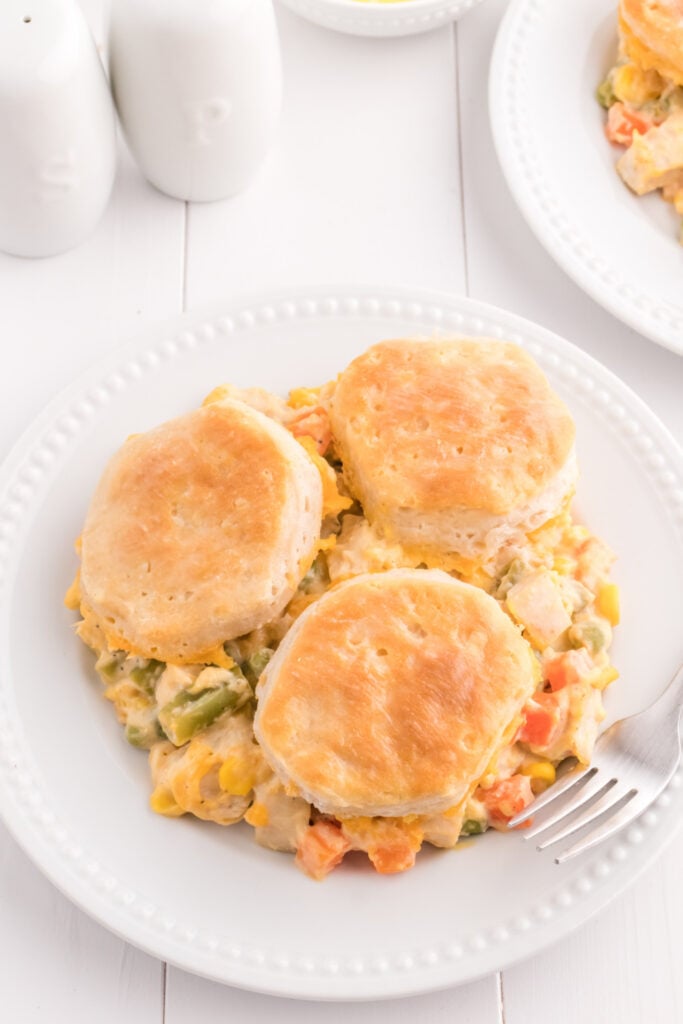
{"points": [[655, 159], [536, 603]]}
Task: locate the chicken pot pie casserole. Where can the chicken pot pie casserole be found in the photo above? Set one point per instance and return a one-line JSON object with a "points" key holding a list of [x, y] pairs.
{"points": [[643, 96], [361, 619]]}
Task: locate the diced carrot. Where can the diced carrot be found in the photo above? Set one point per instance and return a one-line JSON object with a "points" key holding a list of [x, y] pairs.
{"points": [[315, 424], [390, 843], [389, 860], [556, 672], [321, 849], [507, 798], [623, 121], [542, 716], [568, 668]]}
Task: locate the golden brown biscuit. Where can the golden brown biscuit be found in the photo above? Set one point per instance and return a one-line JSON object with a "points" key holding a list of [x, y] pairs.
{"points": [[453, 445], [652, 35], [198, 532], [391, 693]]}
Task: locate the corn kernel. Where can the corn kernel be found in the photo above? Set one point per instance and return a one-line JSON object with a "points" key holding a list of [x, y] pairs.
{"points": [[564, 565], [163, 802], [299, 398], [607, 676], [257, 816], [357, 823], [607, 603], [541, 773], [236, 777], [631, 84], [327, 543]]}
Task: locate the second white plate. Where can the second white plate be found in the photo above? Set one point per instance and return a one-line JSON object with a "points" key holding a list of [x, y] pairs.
{"points": [[622, 249], [208, 899], [403, 18]]}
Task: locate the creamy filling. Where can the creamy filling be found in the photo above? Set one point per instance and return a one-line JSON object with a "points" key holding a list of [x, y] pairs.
{"points": [[645, 116], [196, 720]]}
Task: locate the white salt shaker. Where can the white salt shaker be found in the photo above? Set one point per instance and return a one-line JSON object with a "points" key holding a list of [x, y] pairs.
{"points": [[57, 128], [198, 90]]}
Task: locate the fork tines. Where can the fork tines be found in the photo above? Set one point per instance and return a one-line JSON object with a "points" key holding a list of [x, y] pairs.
{"points": [[590, 798]]}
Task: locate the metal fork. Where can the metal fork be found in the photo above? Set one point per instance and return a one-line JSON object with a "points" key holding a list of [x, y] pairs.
{"points": [[633, 761]]}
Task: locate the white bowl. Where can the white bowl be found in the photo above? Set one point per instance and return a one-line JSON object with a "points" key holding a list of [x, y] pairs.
{"points": [[403, 18]]}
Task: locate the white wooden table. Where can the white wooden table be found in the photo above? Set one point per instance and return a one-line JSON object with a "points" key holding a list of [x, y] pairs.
{"points": [[384, 173]]}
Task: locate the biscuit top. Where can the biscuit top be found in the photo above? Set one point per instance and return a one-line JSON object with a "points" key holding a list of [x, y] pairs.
{"points": [[652, 35], [449, 424], [192, 527], [392, 692]]}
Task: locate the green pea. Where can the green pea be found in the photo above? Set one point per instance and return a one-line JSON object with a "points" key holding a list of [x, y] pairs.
{"points": [[144, 736], [589, 635], [605, 94], [471, 828]]}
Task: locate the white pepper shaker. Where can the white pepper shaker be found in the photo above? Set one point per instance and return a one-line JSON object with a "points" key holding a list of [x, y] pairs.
{"points": [[197, 84], [57, 128]]}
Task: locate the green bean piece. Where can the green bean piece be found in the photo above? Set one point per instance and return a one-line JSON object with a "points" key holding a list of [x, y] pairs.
{"points": [[471, 828], [188, 713], [109, 664], [255, 664], [147, 674]]}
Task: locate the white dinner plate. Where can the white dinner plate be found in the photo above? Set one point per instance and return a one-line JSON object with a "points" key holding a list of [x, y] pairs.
{"points": [[207, 898], [373, 18], [548, 129]]}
